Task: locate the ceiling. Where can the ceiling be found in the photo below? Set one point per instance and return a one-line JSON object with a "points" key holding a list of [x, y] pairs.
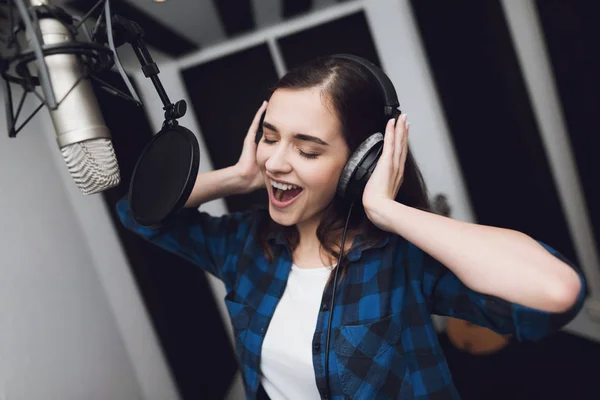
{"points": [[174, 28], [178, 27]]}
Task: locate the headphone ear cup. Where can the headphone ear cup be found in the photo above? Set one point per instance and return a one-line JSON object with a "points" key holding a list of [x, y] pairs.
{"points": [[359, 167], [259, 131]]}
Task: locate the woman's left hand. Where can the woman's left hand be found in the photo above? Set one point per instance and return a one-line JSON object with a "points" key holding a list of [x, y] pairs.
{"points": [[384, 183]]}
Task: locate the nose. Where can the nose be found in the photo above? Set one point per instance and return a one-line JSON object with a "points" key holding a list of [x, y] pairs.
{"points": [[278, 161]]}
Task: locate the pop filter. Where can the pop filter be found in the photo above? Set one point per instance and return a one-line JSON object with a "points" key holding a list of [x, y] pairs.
{"points": [[164, 175], [165, 172]]}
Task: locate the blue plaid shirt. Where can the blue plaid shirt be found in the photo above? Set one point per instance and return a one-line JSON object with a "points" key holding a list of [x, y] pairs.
{"points": [[384, 344]]}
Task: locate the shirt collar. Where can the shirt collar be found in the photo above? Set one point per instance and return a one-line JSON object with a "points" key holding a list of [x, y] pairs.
{"points": [[278, 237], [355, 254]]}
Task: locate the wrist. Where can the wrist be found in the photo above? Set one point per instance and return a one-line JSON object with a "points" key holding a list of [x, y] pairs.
{"points": [[381, 213], [237, 180], [242, 181]]}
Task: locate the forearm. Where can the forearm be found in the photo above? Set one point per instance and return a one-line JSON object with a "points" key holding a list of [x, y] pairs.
{"points": [[214, 185], [495, 261]]}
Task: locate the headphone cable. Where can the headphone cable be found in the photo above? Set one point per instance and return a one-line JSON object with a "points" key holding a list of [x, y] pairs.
{"points": [[331, 303]]}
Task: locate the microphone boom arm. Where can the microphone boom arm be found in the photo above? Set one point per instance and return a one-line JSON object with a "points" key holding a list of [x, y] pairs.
{"points": [[130, 32]]}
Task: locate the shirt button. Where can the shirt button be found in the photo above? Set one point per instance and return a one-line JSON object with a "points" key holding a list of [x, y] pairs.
{"points": [[316, 346], [325, 307], [325, 396]]}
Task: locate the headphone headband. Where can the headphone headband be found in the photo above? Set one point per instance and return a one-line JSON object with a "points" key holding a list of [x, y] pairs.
{"points": [[385, 84], [362, 162]]}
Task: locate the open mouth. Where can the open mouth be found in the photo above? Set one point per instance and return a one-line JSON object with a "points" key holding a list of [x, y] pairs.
{"points": [[285, 193]]}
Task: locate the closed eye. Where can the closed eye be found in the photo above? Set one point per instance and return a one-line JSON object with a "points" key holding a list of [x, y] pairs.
{"points": [[310, 156]]}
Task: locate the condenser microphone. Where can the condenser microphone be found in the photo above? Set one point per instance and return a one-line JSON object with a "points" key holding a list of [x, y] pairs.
{"points": [[165, 173], [81, 133]]}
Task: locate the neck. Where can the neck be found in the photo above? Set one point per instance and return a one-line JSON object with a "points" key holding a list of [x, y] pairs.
{"points": [[310, 244], [307, 231]]}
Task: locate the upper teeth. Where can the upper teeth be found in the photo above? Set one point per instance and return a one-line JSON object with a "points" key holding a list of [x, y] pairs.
{"points": [[283, 186]]}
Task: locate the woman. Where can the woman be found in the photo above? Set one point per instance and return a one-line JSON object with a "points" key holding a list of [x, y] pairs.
{"points": [[402, 264]]}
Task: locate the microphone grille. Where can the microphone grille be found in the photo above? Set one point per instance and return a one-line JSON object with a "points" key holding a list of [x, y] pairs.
{"points": [[92, 164]]}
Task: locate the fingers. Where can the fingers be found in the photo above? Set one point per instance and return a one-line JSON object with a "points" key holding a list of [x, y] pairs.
{"points": [[399, 137], [404, 144], [404, 151], [388, 141], [254, 126], [400, 133]]}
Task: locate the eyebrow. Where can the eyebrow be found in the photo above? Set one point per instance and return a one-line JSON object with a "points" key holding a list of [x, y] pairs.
{"points": [[299, 136]]}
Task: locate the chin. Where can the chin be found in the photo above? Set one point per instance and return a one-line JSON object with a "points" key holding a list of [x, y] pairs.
{"points": [[282, 218]]}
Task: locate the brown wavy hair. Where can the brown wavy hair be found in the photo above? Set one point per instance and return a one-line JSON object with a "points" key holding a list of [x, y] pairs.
{"points": [[356, 99]]}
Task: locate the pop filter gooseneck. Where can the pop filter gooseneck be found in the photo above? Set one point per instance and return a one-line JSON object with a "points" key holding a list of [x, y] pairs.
{"points": [[165, 173]]}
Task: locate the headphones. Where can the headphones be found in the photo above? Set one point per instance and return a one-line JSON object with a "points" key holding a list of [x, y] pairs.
{"points": [[362, 162], [357, 171]]}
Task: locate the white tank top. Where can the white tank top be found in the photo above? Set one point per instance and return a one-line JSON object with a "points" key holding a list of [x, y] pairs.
{"points": [[286, 362]]}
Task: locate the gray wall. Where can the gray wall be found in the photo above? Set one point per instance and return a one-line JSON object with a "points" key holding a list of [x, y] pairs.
{"points": [[63, 333]]}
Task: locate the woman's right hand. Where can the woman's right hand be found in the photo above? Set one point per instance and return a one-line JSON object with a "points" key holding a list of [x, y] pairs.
{"points": [[246, 165]]}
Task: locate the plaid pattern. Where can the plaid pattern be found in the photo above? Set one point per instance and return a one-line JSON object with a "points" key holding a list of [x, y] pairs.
{"points": [[384, 344]]}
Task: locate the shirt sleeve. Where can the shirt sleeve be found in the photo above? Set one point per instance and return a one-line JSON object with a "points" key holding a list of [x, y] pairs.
{"points": [[447, 295], [203, 239]]}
